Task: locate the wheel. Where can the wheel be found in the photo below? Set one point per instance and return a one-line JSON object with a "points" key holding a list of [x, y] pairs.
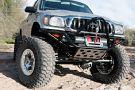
{"points": [[113, 71], [35, 62], [16, 45]]}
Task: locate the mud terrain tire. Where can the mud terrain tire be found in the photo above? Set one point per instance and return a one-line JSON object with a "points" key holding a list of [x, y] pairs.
{"points": [[44, 65], [120, 70]]}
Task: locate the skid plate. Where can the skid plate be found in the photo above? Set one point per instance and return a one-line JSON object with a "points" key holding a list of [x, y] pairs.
{"points": [[89, 53]]}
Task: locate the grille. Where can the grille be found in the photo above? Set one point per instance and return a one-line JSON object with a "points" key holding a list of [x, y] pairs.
{"points": [[89, 53], [90, 25]]}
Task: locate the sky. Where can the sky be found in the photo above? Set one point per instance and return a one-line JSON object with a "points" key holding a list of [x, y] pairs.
{"points": [[122, 11]]}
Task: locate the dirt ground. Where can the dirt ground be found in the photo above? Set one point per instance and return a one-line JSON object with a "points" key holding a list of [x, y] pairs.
{"points": [[67, 77]]}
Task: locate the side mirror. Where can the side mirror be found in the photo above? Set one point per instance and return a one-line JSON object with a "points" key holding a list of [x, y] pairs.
{"points": [[30, 9]]}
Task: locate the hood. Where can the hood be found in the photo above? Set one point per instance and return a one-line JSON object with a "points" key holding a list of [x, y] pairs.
{"points": [[67, 13]]}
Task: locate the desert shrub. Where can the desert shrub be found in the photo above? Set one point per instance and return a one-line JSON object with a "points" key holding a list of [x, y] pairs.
{"points": [[130, 35], [10, 17]]}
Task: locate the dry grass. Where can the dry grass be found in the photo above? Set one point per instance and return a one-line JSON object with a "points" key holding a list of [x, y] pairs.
{"points": [[11, 16], [130, 35]]}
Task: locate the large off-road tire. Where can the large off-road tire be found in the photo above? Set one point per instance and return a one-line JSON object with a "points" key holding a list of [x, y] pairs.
{"points": [[119, 70], [35, 62]]}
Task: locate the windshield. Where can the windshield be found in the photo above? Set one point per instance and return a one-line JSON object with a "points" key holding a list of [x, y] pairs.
{"points": [[64, 5]]}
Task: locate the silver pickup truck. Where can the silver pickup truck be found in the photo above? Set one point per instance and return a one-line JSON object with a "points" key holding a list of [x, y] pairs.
{"points": [[67, 32]]}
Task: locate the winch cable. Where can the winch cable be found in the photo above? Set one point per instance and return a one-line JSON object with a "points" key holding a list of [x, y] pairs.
{"points": [[96, 38], [97, 30]]}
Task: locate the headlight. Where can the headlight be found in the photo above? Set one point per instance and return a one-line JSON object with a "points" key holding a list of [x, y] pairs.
{"points": [[57, 21], [119, 29]]}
